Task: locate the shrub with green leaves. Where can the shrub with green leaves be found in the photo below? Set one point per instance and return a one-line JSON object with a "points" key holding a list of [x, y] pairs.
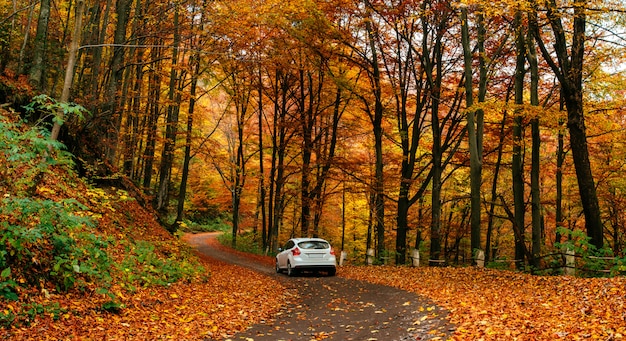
{"points": [[591, 261], [143, 267], [41, 239]]}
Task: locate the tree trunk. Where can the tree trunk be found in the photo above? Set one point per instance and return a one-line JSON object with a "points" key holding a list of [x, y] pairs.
{"points": [[489, 254], [171, 130], [262, 189], [153, 112], [20, 61], [474, 129], [535, 156], [132, 122], [69, 71], [377, 118], [517, 162], [122, 9], [182, 194], [306, 122], [569, 72], [37, 68], [560, 159]]}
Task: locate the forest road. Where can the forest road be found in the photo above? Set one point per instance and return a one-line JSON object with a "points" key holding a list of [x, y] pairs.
{"points": [[336, 308]]}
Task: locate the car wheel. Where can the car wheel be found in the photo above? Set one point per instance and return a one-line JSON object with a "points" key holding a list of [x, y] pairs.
{"points": [[332, 272], [277, 267], [290, 271]]}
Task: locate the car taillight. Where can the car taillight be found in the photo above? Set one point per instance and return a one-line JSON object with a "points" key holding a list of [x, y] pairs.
{"points": [[296, 252], [332, 251]]}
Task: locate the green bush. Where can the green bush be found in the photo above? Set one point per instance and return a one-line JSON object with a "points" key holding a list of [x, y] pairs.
{"points": [[47, 239], [142, 266], [592, 262]]}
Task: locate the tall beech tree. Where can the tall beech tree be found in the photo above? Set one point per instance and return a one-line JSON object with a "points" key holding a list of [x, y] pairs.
{"points": [[568, 68], [535, 189], [517, 163], [376, 117], [475, 119], [171, 129]]}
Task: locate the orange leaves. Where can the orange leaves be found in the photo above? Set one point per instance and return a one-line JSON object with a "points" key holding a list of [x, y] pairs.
{"points": [[497, 305], [232, 299]]}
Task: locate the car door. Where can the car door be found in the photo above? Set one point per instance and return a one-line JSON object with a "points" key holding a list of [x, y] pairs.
{"points": [[283, 256]]}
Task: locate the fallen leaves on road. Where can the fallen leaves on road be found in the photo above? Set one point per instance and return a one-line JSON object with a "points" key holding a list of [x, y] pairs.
{"points": [[503, 305]]}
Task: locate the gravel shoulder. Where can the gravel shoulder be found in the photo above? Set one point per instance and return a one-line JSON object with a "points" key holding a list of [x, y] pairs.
{"points": [[336, 308]]}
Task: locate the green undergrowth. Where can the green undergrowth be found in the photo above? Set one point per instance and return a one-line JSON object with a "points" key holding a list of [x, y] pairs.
{"points": [[59, 236]]}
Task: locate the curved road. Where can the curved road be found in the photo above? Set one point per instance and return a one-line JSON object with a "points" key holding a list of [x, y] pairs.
{"points": [[336, 308]]}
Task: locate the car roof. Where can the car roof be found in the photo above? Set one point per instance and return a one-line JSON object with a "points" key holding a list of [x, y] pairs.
{"points": [[298, 240]]}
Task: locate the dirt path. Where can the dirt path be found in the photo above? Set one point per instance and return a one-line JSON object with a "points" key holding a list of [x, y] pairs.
{"points": [[335, 308]]}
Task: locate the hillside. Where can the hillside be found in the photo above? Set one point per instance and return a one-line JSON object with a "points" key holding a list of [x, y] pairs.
{"points": [[79, 261]]}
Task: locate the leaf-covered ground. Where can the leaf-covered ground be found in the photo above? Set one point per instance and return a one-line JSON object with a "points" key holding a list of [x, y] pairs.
{"points": [[228, 300], [503, 305], [231, 300]]}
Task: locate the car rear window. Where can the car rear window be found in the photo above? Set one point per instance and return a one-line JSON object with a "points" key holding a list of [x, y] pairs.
{"points": [[313, 245]]}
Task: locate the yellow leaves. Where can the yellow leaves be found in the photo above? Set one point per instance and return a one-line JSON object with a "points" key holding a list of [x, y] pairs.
{"points": [[45, 190]]}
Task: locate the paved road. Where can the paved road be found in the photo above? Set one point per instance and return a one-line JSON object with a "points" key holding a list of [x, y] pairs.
{"points": [[336, 308]]}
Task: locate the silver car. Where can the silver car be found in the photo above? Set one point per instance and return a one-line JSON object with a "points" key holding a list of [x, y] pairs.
{"points": [[306, 254]]}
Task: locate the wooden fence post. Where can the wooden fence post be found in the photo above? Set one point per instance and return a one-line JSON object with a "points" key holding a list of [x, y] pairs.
{"points": [[480, 258], [570, 262], [342, 257], [415, 256], [370, 256]]}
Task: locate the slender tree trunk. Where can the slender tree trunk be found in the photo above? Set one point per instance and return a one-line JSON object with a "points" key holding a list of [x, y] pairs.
{"points": [[132, 122], [122, 9], [240, 163], [277, 173], [97, 52], [377, 118], [535, 155], [560, 159], [517, 163], [437, 154], [474, 125], [306, 121], [262, 190], [37, 68], [171, 130], [20, 61], [195, 63], [69, 71], [154, 89], [489, 254]]}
